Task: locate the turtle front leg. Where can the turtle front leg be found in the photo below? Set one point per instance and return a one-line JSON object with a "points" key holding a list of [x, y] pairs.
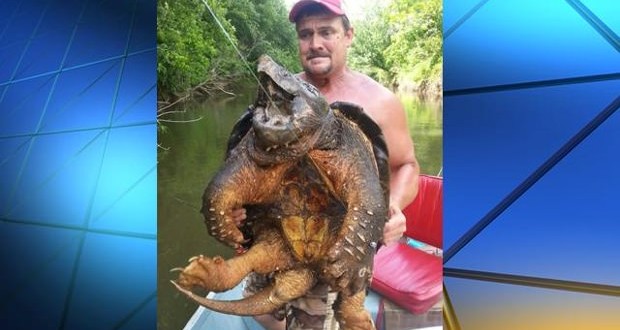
{"points": [[348, 262], [239, 182], [223, 195], [217, 274]]}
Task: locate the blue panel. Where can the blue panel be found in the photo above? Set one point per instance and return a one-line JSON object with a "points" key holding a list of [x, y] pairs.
{"points": [[134, 209], [142, 316], [495, 47], [63, 188], [62, 17], [106, 12], [10, 55], [23, 99], [551, 68], [459, 12], [144, 27], [38, 262], [83, 97], [136, 96], [607, 11], [8, 8], [126, 193], [58, 127], [12, 153], [53, 44], [101, 21], [23, 22], [577, 224], [115, 272], [496, 140]]}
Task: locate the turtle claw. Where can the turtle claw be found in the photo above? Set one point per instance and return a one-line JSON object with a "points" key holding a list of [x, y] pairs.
{"points": [[190, 260], [182, 289], [209, 273]]}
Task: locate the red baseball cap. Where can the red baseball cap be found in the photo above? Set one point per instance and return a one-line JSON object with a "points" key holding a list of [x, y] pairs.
{"points": [[333, 6]]}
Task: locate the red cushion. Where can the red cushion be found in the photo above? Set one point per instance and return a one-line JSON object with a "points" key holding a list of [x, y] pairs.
{"points": [[409, 277], [425, 214]]}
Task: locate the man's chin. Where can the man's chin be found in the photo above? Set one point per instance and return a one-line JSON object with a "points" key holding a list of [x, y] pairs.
{"points": [[317, 69]]}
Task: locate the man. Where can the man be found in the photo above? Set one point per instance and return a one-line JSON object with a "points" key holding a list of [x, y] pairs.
{"points": [[324, 35]]}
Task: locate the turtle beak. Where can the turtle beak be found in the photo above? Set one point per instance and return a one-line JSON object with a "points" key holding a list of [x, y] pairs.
{"points": [[272, 118], [273, 128]]}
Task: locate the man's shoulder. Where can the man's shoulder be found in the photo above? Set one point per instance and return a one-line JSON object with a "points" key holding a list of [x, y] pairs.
{"points": [[373, 88], [378, 101], [360, 77], [364, 81]]}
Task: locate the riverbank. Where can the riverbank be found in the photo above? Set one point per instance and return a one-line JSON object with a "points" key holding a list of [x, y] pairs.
{"points": [[428, 89], [214, 86]]}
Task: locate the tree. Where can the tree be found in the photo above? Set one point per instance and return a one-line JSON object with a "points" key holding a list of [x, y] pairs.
{"points": [[262, 27], [412, 55], [195, 50], [188, 44], [367, 52]]}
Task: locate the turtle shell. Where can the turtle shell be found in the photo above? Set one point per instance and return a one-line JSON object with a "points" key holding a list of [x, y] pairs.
{"points": [[350, 111], [241, 128], [373, 132]]}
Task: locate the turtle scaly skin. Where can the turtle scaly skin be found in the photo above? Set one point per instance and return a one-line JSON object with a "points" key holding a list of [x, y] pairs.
{"points": [[314, 180]]}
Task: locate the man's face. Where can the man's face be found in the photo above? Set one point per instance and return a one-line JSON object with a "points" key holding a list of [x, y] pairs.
{"points": [[322, 44]]}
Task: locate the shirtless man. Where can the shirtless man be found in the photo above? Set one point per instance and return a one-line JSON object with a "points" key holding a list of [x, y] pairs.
{"points": [[324, 35]]}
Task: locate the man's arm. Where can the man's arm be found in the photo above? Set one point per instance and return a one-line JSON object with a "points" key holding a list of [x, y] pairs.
{"points": [[404, 168]]}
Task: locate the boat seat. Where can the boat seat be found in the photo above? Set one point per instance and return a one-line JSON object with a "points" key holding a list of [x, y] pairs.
{"points": [[408, 276], [425, 214]]}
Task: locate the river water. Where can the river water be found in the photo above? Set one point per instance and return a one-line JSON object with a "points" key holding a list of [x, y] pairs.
{"points": [[190, 152]]}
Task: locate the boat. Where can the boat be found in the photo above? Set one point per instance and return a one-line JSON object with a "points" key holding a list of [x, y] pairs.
{"points": [[406, 289]]}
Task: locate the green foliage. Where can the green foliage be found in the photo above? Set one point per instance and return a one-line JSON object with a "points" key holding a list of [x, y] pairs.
{"points": [[263, 28], [366, 54], [193, 49], [188, 43], [412, 55]]}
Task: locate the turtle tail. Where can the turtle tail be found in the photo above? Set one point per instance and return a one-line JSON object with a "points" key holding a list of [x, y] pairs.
{"points": [[288, 285], [257, 304]]}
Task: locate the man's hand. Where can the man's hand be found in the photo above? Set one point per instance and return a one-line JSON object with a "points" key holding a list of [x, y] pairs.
{"points": [[238, 215], [395, 226]]}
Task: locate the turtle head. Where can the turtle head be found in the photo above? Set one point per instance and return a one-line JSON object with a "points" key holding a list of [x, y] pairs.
{"points": [[287, 109]]}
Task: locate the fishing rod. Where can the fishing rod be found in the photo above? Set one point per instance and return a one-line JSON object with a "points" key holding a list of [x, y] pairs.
{"points": [[232, 43]]}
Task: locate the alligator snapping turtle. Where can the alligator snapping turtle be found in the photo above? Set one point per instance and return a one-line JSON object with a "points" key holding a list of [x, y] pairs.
{"points": [[314, 180]]}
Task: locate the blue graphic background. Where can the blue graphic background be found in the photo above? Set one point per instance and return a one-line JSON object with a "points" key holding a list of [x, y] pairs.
{"points": [[523, 78], [78, 164]]}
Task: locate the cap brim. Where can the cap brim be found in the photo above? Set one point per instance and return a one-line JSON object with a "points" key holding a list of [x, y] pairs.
{"points": [[299, 6]]}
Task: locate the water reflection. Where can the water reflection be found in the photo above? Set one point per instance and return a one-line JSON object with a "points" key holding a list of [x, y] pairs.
{"points": [[192, 151], [425, 120]]}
